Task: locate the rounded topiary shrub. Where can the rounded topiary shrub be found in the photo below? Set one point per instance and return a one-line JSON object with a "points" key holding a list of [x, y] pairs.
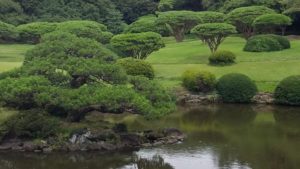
{"points": [[266, 43], [263, 43], [199, 81], [137, 67], [288, 91], [236, 88], [283, 41], [222, 58]]}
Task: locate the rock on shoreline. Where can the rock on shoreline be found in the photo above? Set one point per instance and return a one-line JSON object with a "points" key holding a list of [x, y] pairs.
{"points": [[202, 99], [97, 141]]}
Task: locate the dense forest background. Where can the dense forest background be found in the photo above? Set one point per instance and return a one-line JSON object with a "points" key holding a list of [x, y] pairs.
{"points": [[116, 14]]}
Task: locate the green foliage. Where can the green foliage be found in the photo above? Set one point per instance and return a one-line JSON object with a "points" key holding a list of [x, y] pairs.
{"points": [[268, 22], [61, 45], [230, 5], [222, 57], [236, 88], [199, 81], [284, 41], [11, 12], [8, 33], [32, 32], [136, 67], [213, 34], [212, 17], [102, 11], [75, 103], [86, 29], [243, 18], [20, 92], [166, 5], [266, 43], [31, 124], [288, 91], [163, 101], [179, 22], [133, 9], [147, 24], [137, 45]]}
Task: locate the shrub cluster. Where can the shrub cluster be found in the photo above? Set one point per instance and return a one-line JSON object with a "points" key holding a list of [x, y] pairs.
{"points": [[236, 88], [30, 124], [288, 91], [136, 67], [198, 81], [20, 92], [266, 43], [222, 58]]}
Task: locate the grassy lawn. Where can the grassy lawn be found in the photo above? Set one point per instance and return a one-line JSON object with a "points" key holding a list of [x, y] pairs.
{"points": [[11, 56], [266, 69]]}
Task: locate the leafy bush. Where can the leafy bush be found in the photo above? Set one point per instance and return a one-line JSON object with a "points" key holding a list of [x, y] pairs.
{"points": [[236, 88], [198, 81], [86, 29], [283, 41], [163, 101], [136, 67], [263, 43], [288, 91], [75, 103], [222, 58], [20, 92], [62, 45], [138, 45], [8, 33], [31, 124], [32, 32]]}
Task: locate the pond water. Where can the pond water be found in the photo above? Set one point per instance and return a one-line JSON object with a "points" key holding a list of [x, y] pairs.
{"points": [[219, 137]]}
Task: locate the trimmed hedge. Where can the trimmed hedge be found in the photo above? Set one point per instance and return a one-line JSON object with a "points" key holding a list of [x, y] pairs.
{"points": [[137, 67], [222, 58], [267, 43], [236, 88], [288, 91], [199, 81]]}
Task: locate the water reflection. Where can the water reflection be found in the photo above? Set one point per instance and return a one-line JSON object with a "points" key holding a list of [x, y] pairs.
{"points": [[219, 137]]}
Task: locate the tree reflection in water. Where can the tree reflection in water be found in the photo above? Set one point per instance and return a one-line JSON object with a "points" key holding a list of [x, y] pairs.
{"points": [[156, 162]]}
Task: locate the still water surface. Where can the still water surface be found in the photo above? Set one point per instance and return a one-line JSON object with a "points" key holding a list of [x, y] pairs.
{"points": [[219, 137]]}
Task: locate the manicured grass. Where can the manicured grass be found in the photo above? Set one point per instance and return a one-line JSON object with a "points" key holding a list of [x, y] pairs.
{"points": [[266, 68], [12, 55]]}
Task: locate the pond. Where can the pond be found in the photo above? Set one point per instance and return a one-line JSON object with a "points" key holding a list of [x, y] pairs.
{"points": [[219, 137]]}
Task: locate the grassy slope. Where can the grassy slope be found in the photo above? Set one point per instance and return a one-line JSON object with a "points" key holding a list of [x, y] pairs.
{"points": [[266, 69]]}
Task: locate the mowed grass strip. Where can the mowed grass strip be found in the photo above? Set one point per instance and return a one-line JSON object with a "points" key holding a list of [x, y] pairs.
{"points": [[266, 68], [12, 55]]}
